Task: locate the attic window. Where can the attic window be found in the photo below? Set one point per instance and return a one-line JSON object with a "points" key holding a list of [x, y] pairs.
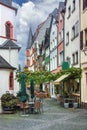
{"points": [[9, 30]]}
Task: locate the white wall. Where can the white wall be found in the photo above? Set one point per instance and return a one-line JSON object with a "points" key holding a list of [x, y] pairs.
{"points": [[4, 82], [53, 46], [9, 16], [11, 56], [74, 45]]}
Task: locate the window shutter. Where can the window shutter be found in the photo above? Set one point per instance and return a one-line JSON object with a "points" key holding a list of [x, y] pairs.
{"points": [[81, 40]]}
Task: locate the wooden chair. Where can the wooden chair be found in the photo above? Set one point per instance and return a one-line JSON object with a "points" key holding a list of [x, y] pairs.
{"points": [[24, 107], [38, 106]]}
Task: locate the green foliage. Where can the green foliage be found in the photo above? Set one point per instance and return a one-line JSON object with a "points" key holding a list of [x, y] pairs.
{"points": [[8, 100], [74, 73], [38, 76], [46, 76]]}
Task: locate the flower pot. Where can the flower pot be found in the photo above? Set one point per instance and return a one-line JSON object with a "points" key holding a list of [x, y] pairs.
{"points": [[66, 105], [75, 104]]}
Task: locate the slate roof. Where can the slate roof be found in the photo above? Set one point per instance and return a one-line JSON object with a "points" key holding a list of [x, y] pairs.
{"points": [[62, 4], [41, 35], [9, 44], [4, 64], [54, 14], [30, 39], [6, 2], [55, 11]]}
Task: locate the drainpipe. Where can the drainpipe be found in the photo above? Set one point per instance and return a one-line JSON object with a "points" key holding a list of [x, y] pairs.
{"points": [[10, 55], [79, 48]]}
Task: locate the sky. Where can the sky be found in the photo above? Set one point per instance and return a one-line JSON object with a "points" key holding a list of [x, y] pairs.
{"points": [[31, 13]]}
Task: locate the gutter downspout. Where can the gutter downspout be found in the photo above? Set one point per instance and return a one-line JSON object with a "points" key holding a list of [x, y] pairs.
{"points": [[79, 48], [10, 55]]}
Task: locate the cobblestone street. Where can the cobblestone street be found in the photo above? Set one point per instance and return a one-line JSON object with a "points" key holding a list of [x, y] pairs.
{"points": [[54, 117]]}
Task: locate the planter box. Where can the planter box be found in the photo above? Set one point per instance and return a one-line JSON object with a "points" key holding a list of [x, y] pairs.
{"points": [[8, 110], [75, 104], [66, 105]]}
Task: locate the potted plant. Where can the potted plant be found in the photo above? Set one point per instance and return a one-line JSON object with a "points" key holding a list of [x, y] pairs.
{"points": [[75, 104], [8, 102], [66, 104]]}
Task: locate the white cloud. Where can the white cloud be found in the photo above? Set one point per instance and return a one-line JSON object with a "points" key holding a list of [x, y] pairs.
{"points": [[31, 14]]}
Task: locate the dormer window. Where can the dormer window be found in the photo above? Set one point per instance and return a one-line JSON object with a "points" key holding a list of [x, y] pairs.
{"points": [[9, 30]]}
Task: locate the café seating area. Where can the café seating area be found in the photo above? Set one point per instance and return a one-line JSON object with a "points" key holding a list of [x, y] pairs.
{"points": [[31, 107], [34, 105], [73, 101]]}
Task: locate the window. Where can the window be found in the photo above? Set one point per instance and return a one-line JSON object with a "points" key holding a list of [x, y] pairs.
{"points": [[67, 38], [59, 36], [86, 38], [28, 62], [55, 62], [81, 40], [68, 59], [76, 28], [62, 34], [84, 4], [73, 57], [9, 30], [69, 11], [77, 57], [61, 58], [86, 79], [73, 32], [11, 81], [73, 9], [27, 53], [47, 52]]}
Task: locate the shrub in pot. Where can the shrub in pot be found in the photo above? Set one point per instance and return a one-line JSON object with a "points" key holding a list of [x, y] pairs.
{"points": [[8, 101]]}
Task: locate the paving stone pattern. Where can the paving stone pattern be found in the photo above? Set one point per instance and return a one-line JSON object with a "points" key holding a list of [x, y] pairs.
{"points": [[54, 117]]}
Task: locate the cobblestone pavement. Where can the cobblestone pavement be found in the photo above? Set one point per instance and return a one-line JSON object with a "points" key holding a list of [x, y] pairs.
{"points": [[54, 117]]}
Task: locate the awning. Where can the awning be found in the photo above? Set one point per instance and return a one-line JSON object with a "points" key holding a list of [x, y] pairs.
{"points": [[61, 78]]}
